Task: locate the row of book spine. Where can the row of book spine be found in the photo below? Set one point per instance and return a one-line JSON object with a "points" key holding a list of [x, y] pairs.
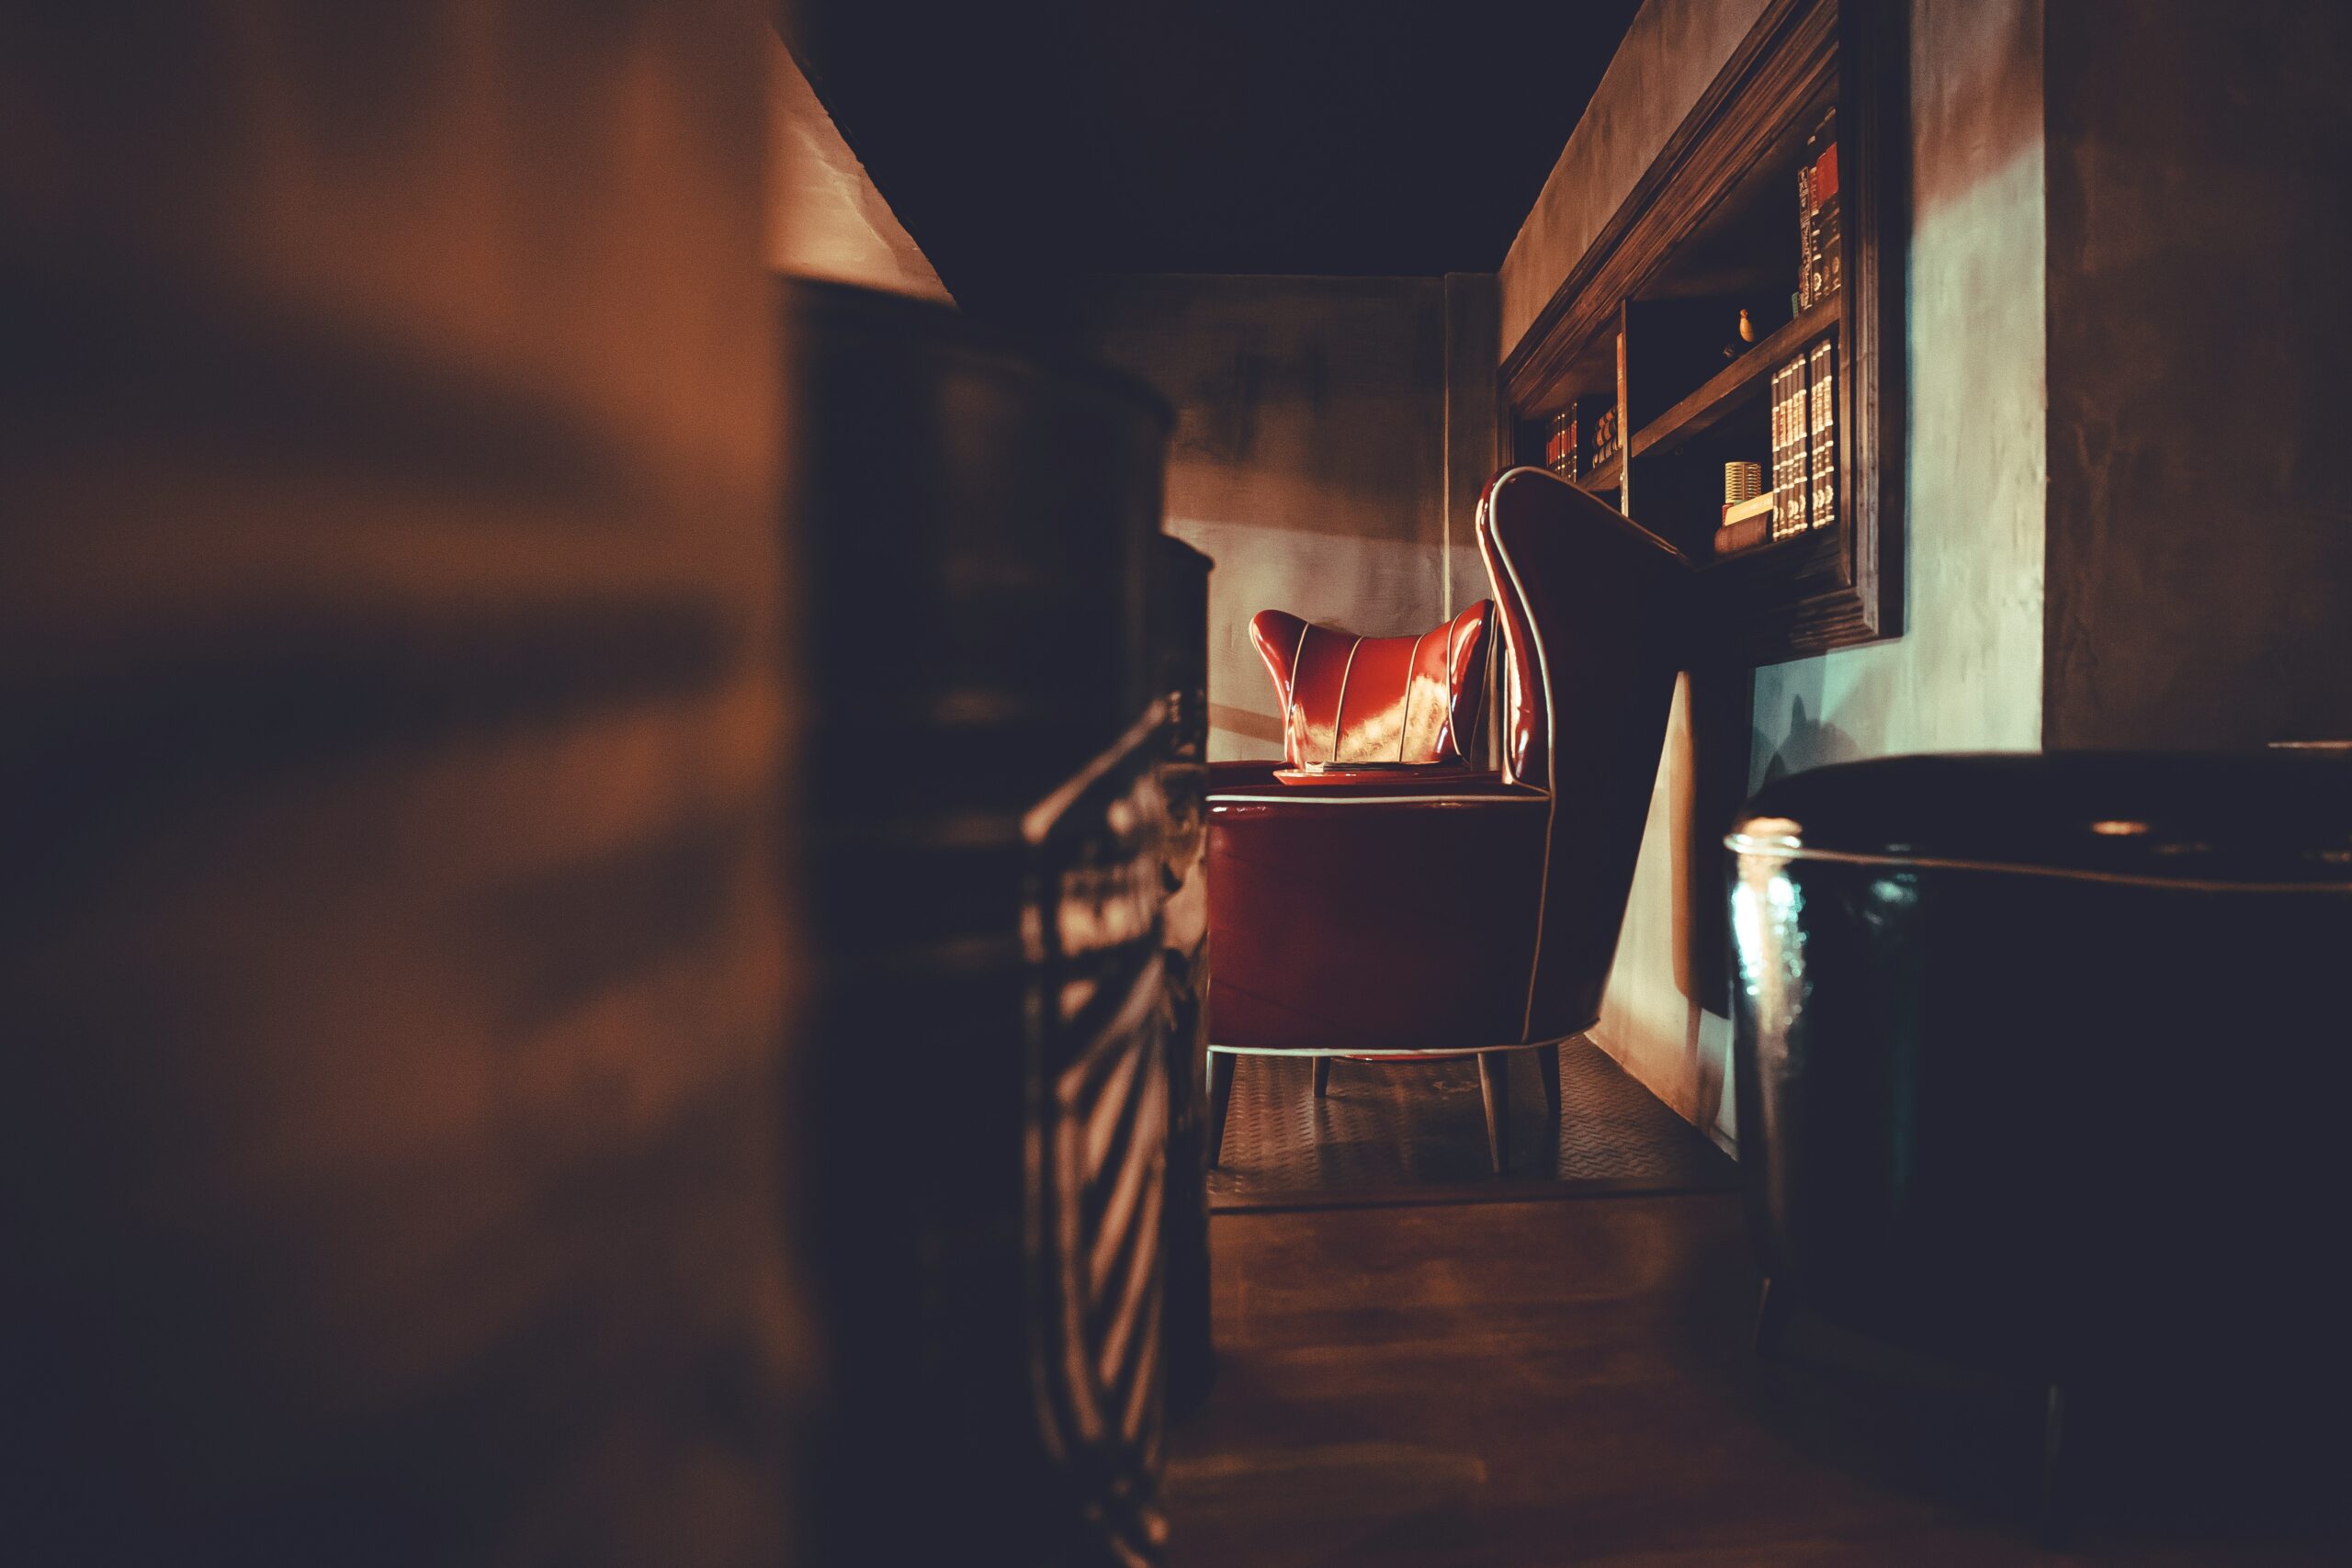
{"points": [[1582, 438], [1561, 448], [1805, 442], [1820, 226]]}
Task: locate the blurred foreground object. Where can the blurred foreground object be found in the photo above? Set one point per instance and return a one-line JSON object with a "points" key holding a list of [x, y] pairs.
{"points": [[986, 1087], [393, 970], [1992, 1025]]}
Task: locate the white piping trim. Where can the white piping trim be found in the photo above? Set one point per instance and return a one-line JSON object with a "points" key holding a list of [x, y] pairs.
{"points": [[1618, 520], [1551, 759], [1340, 714], [1412, 673], [1289, 797], [1452, 698], [1382, 1051], [1739, 843], [1290, 692]]}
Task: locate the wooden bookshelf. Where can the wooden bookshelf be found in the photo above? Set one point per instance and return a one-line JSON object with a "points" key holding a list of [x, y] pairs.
{"points": [[1650, 315]]}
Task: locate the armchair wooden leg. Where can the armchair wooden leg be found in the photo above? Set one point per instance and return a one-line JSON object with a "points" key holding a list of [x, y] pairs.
{"points": [[1322, 1075], [2055, 1514], [1772, 1308], [1548, 1062], [1494, 1079], [1220, 1101]]}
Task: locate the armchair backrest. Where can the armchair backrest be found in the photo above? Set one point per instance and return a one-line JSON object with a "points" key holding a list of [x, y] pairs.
{"points": [[1595, 616], [1392, 699]]}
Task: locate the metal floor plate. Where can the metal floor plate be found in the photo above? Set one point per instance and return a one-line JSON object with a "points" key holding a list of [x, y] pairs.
{"points": [[1397, 1131]]}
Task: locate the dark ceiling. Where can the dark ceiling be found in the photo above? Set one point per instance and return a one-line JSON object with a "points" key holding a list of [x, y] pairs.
{"points": [[1024, 141]]}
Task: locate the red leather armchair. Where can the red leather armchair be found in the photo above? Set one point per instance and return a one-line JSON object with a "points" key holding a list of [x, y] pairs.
{"points": [[1440, 911]]}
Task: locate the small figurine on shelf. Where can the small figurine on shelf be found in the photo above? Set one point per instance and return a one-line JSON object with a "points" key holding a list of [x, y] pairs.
{"points": [[1741, 481], [1747, 336]]}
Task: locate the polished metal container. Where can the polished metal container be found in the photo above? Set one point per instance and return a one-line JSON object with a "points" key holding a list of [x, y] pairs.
{"points": [[2042, 1060]]}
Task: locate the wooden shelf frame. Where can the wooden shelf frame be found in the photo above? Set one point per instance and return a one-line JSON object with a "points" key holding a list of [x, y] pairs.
{"points": [[1832, 587]]}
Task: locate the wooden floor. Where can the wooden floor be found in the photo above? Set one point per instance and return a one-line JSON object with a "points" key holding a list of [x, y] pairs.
{"points": [[1568, 1382]]}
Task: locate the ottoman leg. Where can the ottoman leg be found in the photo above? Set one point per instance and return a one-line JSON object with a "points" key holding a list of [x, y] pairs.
{"points": [[1220, 1101], [2057, 1494], [1547, 1064], [1494, 1078], [1322, 1075]]}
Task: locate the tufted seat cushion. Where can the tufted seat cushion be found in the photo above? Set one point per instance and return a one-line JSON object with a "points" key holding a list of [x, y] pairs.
{"points": [[1392, 699]]}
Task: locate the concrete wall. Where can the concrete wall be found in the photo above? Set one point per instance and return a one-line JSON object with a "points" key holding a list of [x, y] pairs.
{"points": [[825, 218], [1967, 672], [1307, 458], [2200, 563], [1473, 426]]}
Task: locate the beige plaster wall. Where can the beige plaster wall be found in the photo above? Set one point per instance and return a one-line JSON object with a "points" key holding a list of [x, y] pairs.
{"points": [[1473, 427], [1307, 457]]}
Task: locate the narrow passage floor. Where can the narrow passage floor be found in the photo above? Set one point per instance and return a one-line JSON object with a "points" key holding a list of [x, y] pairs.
{"points": [[1568, 1381]]}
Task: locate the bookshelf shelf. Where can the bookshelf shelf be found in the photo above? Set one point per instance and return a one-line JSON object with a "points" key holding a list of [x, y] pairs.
{"points": [[1709, 232], [1724, 551], [1738, 384]]}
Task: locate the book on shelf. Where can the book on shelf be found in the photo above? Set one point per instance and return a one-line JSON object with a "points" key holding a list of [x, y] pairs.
{"points": [[1820, 228], [1580, 438], [1804, 233], [1745, 533], [1560, 443], [1605, 442], [1821, 453], [1744, 510], [1790, 440]]}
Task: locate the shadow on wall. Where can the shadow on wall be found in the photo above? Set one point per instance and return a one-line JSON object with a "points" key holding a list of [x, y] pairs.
{"points": [[1809, 738]]}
